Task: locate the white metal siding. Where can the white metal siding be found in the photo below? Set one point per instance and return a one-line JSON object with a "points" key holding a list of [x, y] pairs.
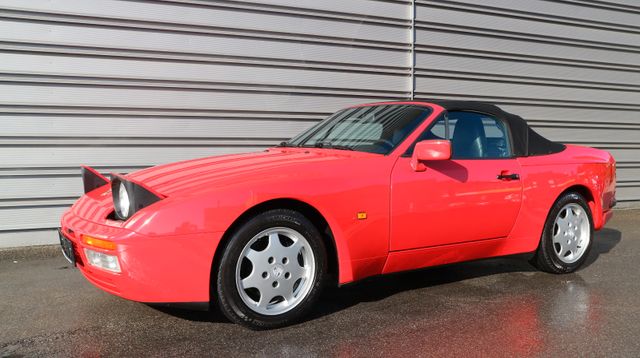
{"points": [[122, 85], [571, 68]]}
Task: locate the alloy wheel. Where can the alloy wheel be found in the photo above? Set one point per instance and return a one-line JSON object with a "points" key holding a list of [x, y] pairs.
{"points": [[275, 271], [571, 233]]}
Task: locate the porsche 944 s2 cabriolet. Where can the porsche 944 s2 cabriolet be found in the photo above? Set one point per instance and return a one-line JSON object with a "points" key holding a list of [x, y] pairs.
{"points": [[373, 189]]}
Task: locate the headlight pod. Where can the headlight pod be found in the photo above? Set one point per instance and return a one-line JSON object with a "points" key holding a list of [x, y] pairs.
{"points": [[129, 197], [91, 179], [123, 205]]}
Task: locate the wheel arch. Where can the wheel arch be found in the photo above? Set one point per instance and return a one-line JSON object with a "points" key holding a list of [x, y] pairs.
{"points": [[302, 207], [588, 194], [541, 257], [582, 190]]}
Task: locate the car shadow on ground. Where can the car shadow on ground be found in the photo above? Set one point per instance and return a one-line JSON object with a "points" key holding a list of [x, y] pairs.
{"points": [[381, 287], [606, 239], [212, 315]]}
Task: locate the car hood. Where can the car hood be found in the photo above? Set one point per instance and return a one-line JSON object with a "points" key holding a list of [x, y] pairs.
{"points": [[219, 171]]}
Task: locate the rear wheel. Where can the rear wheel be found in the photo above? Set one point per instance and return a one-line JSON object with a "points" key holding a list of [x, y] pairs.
{"points": [[567, 237], [272, 270]]}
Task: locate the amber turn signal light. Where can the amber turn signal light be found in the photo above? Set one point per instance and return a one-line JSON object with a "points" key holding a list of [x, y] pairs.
{"points": [[101, 244]]}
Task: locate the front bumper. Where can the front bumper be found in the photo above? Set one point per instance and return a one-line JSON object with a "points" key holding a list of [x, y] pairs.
{"points": [[154, 269]]}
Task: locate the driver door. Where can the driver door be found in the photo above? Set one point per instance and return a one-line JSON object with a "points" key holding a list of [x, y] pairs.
{"points": [[474, 196]]}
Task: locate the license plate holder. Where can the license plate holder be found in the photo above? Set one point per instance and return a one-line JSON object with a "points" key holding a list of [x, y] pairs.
{"points": [[67, 248]]}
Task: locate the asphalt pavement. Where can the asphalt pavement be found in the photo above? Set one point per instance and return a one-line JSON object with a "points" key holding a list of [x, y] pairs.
{"points": [[498, 307]]}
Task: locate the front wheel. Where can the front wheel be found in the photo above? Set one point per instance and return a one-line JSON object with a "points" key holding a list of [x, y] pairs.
{"points": [[567, 237], [272, 270]]}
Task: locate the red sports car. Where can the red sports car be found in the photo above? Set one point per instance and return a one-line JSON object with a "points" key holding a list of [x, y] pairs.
{"points": [[373, 189]]}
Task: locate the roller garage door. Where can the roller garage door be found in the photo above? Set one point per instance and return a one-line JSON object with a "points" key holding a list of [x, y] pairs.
{"points": [[121, 85]]}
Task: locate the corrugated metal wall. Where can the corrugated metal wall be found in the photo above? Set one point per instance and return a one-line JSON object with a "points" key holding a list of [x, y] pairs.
{"points": [[121, 85], [571, 68]]}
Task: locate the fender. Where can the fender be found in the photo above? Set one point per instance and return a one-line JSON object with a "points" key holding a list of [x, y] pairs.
{"points": [[337, 235], [540, 192]]}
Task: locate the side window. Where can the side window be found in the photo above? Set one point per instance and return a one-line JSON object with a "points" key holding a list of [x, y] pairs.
{"points": [[477, 135], [473, 135], [436, 131]]}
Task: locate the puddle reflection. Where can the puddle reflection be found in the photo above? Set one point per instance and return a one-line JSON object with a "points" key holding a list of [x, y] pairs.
{"points": [[513, 325]]}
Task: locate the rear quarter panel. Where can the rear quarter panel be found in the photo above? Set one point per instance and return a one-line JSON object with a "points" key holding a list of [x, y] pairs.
{"points": [[546, 177]]}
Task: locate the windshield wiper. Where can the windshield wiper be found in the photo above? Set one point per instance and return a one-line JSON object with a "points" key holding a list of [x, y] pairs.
{"points": [[285, 144], [329, 145]]}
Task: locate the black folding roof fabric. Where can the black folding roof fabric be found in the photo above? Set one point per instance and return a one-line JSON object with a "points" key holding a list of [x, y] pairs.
{"points": [[526, 142]]}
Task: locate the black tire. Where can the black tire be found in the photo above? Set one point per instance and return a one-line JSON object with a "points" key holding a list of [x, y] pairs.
{"points": [[546, 259], [228, 296]]}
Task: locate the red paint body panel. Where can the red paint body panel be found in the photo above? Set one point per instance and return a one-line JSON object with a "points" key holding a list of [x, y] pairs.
{"points": [[455, 210], [155, 269], [464, 194], [429, 150]]}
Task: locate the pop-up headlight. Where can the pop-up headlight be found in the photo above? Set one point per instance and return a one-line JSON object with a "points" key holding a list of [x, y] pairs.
{"points": [[91, 179], [129, 197]]}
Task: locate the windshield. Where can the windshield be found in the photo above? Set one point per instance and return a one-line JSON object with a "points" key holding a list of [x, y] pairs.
{"points": [[374, 129]]}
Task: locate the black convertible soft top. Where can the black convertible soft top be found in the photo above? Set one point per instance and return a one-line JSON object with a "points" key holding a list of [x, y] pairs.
{"points": [[526, 142]]}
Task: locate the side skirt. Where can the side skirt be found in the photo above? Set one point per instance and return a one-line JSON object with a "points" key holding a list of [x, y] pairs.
{"points": [[446, 254]]}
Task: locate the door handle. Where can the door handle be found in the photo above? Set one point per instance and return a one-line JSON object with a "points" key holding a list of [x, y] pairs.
{"points": [[505, 176]]}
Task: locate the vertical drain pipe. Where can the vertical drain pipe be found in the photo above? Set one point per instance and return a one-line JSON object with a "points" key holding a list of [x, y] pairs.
{"points": [[412, 52]]}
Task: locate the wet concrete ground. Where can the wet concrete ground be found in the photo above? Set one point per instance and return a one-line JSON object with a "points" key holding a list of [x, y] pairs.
{"points": [[498, 307]]}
